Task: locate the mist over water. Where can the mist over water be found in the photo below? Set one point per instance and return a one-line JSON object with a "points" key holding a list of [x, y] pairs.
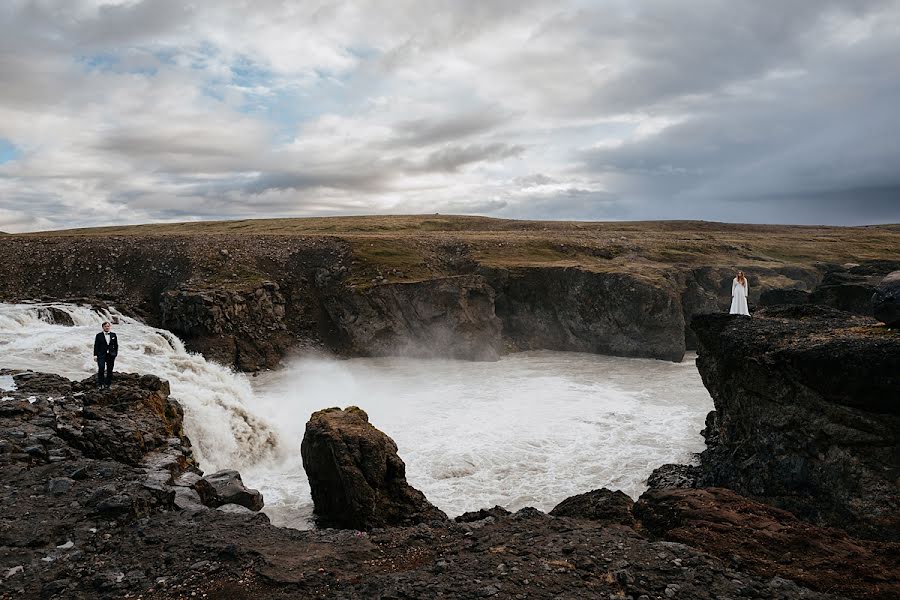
{"points": [[529, 430]]}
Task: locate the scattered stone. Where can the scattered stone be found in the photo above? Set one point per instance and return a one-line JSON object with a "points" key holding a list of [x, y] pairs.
{"points": [[226, 487]]}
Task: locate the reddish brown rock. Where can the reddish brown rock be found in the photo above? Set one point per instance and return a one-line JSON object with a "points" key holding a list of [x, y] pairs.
{"points": [[603, 505], [771, 542], [356, 478]]}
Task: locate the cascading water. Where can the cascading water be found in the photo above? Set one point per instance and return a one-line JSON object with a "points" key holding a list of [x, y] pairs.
{"points": [[217, 402], [528, 430]]}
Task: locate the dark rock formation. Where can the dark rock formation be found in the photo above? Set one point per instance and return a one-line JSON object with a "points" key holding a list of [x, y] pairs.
{"points": [[778, 296], [806, 416], [674, 476], [577, 310], [245, 328], [356, 478], [603, 505], [83, 527], [771, 542], [227, 487], [452, 317], [55, 316], [845, 291], [886, 300], [482, 514]]}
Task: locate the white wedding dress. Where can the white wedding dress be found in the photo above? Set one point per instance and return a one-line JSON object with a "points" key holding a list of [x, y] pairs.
{"points": [[739, 298]]}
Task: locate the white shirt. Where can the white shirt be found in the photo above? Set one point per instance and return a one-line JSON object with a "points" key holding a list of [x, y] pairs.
{"points": [[106, 335]]}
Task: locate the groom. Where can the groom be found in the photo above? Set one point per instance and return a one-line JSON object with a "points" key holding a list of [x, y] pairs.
{"points": [[106, 347]]}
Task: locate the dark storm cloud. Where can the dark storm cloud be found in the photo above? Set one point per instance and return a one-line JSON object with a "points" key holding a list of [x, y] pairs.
{"points": [[450, 158], [425, 132]]}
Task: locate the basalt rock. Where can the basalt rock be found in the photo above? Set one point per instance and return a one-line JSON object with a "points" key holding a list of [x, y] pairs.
{"points": [[771, 542], [227, 487], [446, 317], [807, 416], [243, 327], [356, 478], [886, 300], [603, 505], [576, 310], [845, 291]]}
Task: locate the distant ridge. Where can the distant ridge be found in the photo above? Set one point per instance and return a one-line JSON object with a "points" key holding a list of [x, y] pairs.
{"points": [[427, 223]]}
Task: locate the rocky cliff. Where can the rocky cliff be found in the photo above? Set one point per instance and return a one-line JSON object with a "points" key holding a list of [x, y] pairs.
{"points": [[807, 414], [246, 293]]}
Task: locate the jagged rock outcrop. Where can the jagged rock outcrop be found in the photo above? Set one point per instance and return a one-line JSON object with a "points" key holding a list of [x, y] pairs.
{"points": [[446, 317], [767, 541], [807, 414], [245, 328], [356, 478], [226, 487], [845, 291], [603, 505], [577, 310], [886, 300]]}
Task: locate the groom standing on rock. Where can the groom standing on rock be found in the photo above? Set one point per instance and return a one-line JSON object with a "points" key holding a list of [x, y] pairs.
{"points": [[106, 347]]}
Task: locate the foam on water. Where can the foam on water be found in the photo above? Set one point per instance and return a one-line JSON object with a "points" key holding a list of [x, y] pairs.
{"points": [[528, 430], [218, 418]]}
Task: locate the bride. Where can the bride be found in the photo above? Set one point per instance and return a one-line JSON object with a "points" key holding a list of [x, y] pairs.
{"points": [[739, 289]]}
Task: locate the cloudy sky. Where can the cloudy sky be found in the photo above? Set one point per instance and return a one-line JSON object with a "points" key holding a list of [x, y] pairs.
{"points": [[730, 110]]}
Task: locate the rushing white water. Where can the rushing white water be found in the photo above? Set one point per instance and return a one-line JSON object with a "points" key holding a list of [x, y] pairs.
{"points": [[218, 418], [528, 430]]}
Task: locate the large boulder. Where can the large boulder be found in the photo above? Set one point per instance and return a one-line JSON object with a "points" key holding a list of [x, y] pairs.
{"points": [[886, 300], [603, 505], [807, 416], [227, 487], [356, 478], [771, 542]]}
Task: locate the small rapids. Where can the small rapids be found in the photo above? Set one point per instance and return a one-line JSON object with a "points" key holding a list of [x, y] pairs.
{"points": [[528, 430]]}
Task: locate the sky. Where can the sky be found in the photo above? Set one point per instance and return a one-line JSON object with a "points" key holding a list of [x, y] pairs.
{"points": [[751, 111]]}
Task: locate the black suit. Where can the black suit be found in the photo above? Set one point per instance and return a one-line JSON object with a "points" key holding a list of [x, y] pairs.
{"points": [[106, 356]]}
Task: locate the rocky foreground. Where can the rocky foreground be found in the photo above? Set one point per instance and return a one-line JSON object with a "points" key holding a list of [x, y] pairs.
{"points": [[101, 497]]}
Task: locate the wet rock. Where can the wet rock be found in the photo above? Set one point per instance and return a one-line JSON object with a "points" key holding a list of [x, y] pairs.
{"points": [[845, 291], [226, 487], [238, 324], [806, 416], [886, 300], [356, 478], [55, 316], [603, 505], [577, 310], [444, 317]]}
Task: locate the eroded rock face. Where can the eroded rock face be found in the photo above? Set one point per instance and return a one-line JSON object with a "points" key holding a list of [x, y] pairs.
{"points": [[356, 478], [575, 310], [447, 317], [243, 327], [807, 416], [886, 300], [771, 542]]}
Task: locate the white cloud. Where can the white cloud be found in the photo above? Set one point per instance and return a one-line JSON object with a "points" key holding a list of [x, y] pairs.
{"points": [[160, 110]]}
